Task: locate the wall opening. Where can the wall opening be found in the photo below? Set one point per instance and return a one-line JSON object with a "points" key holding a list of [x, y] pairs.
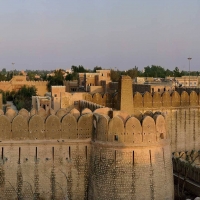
{"points": [[53, 153], [36, 154], [133, 157], [162, 136], [19, 159], [115, 156], [150, 157], [69, 152], [116, 137], [86, 152], [163, 156], [2, 153]]}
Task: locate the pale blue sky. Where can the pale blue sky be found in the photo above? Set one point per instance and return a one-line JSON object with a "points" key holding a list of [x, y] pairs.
{"points": [[50, 34]]}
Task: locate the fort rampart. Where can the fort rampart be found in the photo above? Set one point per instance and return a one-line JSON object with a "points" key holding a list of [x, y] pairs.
{"points": [[83, 156], [182, 114]]}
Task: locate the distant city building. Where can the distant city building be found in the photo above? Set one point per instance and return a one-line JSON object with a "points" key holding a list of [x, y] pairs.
{"points": [[18, 81], [187, 81], [39, 102]]}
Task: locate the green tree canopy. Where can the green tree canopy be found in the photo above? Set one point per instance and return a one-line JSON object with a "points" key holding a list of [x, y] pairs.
{"points": [[154, 71], [56, 79], [23, 97]]}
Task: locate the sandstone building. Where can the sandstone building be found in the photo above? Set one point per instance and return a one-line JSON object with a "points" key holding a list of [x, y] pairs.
{"points": [[18, 81]]}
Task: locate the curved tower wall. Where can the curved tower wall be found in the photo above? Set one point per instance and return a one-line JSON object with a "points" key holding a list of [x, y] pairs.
{"points": [[130, 160]]}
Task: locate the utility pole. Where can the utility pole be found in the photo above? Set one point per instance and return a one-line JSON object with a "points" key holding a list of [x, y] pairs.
{"points": [[189, 69]]}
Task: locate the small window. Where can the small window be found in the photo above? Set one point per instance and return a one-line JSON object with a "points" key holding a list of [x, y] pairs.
{"points": [[116, 137], [55, 95]]}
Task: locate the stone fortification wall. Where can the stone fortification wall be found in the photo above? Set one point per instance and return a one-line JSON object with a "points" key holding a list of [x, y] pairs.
{"points": [[69, 99], [87, 104], [49, 156], [44, 156], [130, 159], [144, 101], [182, 113]]}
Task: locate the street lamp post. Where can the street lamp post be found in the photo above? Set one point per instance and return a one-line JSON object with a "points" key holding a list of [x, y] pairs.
{"points": [[13, 67], [189, 69]]}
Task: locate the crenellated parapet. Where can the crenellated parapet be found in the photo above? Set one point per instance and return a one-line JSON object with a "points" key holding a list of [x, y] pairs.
{"points": [[40, 126], [149, 100], [131, 130], [101, 125]]}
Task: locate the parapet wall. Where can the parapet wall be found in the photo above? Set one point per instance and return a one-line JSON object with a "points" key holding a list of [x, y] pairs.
{"points": [[23, 126], [143, 101], [148, 100], [182, 114]]}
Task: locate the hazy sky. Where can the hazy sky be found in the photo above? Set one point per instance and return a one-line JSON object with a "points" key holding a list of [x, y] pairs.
{"points": [[121, 34]]}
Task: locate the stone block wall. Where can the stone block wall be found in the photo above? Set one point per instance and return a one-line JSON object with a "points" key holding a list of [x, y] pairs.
{"points": [[182, 113], [70, 156], [130, 159]]}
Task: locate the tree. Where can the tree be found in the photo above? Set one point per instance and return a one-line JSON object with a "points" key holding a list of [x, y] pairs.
{"points": [[115, 75], [177, 72], [97, 68], [154, 71], [57, 79], [23, 97], [133, 72], [3, 71]]}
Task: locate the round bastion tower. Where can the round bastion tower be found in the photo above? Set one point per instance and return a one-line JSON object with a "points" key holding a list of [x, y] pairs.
{"points": [[130, 159], [130, 155]]}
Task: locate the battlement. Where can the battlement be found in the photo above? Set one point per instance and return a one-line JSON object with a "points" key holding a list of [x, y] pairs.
{"points": [[148, 100], [130, 130], [122, 128]]}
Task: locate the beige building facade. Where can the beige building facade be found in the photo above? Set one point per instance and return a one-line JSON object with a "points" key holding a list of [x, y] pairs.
{"points": [[18, 81]]}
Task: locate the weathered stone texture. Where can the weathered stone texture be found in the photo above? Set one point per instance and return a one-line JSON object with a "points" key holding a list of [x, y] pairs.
{"points": [[55, 158]]}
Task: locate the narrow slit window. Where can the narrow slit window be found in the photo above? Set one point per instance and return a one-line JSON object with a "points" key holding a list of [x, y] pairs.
{"points": [[86, 152], [69, 152], [36, 154], [150, 157], [2, 153], [53, 153], [19, 160]]}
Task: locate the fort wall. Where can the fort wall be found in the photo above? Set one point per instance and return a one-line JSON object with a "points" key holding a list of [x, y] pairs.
{"points": [[65, 155], [182, 114], [137, 152]]}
